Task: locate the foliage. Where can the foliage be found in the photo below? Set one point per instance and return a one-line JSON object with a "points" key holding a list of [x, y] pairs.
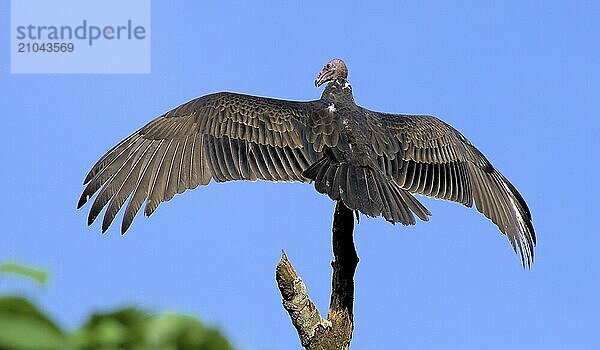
{"points": [[133, 329], [24, 327]]}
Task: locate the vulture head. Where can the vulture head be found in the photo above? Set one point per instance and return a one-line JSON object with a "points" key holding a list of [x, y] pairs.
{"points": [[335, 69]]}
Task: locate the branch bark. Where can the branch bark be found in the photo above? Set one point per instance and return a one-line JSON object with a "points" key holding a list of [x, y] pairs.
{"points": [[315, 332]]}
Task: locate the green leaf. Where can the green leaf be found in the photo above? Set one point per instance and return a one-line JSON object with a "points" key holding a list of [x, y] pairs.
{"points": [[131, 328], [23, 327], [121, 329], [173, 331], [38, 275]]}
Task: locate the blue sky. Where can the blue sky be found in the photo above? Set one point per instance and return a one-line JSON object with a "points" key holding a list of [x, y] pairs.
{"points": [[520, 79]]}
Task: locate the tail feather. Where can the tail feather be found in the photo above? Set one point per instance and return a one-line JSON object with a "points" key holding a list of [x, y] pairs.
{"points": [[416, 206], [345, 194], [366, 190], [390, 209]]}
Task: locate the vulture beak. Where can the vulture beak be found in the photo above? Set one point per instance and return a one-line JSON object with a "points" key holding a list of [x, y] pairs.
{"points": [[323, 77]]}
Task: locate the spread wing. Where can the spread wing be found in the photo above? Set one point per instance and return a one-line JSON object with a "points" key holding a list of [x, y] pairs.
{"points": [[222, 136], [427, 156]]}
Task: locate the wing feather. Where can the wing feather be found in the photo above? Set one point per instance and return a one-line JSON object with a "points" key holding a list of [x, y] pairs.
{"points": [[222, 136], [438, 161], [114, 183], [157, 194], [127, 186], [142, 188]]}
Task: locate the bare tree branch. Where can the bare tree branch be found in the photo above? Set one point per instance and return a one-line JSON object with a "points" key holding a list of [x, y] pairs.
{"points": [[302, 310], [315, 332]]}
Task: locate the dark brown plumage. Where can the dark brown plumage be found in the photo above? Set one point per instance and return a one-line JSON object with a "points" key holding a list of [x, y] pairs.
{"points": [[370, 161]]}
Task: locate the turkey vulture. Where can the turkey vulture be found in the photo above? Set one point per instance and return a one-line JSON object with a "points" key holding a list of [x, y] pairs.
{"points": [[373, 162]]}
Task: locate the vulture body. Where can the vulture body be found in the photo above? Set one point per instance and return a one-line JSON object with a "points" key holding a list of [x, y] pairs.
{"points": [[373, 162]]}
